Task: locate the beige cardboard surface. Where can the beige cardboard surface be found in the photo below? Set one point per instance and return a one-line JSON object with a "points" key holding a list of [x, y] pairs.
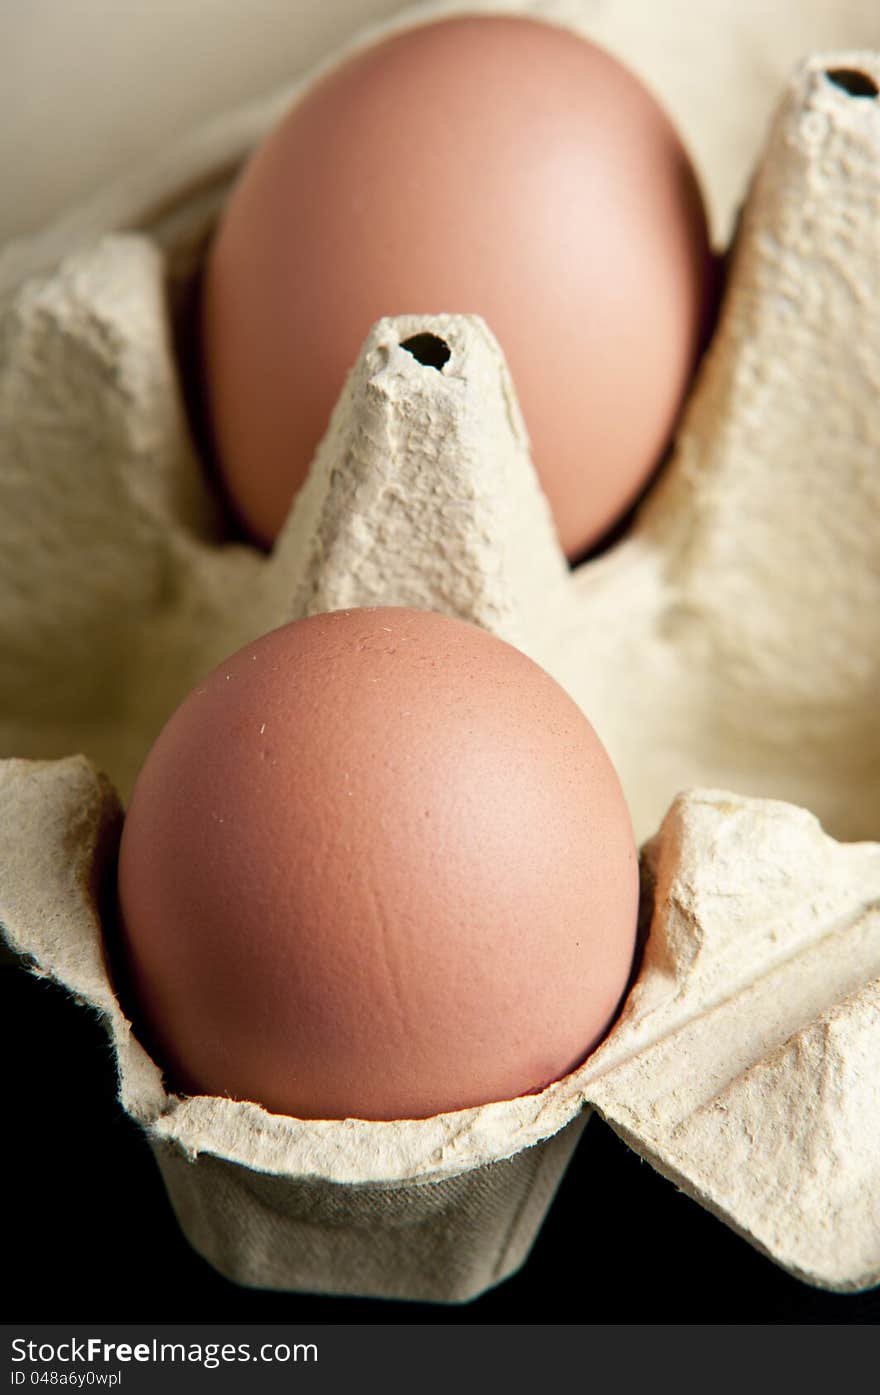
{"points": [[742, 1067], [728, 641]]}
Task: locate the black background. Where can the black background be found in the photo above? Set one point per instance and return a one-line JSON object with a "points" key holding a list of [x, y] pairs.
{"points": [[90, 1235]]}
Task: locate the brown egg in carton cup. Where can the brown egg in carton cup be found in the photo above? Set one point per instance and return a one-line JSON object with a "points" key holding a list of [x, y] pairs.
{"points": [[727, 646]]}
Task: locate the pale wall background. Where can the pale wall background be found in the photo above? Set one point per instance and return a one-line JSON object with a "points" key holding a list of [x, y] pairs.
{"points": [[89, 86]]}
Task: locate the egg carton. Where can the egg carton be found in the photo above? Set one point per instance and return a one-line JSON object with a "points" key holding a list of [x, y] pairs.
{"points": [[728, 645]]}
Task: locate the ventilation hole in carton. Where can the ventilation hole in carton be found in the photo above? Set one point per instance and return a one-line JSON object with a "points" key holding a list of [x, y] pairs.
{"points": [[428, 349], [853, 82]]}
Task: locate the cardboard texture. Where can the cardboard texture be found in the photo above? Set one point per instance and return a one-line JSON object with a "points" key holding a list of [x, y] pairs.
{"points": [[729, 641]]}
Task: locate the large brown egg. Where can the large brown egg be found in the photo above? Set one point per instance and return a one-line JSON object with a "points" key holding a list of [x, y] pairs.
{"points": [[377, 865], [485, 164]]}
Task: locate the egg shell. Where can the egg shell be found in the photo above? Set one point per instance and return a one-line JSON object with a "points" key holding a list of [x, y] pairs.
{"points": [[488, 165], [377, 865]]}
